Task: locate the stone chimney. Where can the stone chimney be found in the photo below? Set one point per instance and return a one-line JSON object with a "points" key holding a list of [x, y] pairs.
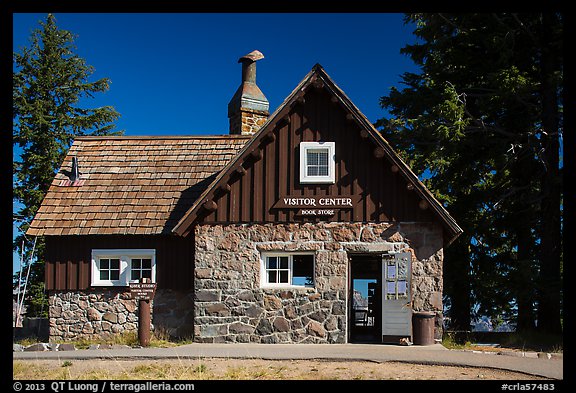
{"points": [[248, 108]]}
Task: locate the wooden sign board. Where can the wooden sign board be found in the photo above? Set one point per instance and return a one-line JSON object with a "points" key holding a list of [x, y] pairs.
{"points": [[142, 291]]}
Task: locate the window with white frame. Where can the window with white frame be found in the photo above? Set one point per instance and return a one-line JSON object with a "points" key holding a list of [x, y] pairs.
{"points": [[287, 270], [119, 267], [109, 269], [317, 162]]}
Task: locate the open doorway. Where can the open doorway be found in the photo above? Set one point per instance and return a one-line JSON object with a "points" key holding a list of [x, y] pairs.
{"points": [[365, 304]]}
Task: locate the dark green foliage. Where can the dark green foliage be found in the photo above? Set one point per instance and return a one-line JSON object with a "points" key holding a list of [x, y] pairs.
{"points": [[474, 118], [49, 80]]}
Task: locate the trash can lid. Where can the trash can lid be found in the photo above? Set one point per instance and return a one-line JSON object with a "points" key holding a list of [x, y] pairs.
{"points": [[425, 314]]}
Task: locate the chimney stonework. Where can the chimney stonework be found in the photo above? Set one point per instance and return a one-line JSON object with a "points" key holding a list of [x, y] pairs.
{"points": [[248, 108], [247, 122]]}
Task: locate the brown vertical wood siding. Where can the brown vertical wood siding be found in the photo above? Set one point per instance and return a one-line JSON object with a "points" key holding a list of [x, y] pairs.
{"points": [[68, 259], [384, 197], [384, 194]]}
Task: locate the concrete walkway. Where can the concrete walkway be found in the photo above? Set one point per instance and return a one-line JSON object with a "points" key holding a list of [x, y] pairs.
{"points": [[531, 363]]}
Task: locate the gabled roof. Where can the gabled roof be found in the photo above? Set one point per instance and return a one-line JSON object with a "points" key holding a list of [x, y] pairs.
{"points": [[131, 185], [159, 185], [317, 78]]}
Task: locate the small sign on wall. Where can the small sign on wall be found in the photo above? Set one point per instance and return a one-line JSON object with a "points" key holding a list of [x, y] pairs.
{"points": [[316, 212], [142, 291]]}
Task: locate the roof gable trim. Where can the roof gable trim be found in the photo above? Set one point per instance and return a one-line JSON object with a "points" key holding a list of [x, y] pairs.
{"points": [[317, 78]]}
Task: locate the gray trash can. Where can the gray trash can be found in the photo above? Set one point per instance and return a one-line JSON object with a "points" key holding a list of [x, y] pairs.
{"points": [[423, 328]]}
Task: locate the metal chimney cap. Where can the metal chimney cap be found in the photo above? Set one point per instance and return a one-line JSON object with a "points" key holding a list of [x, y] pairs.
{"points": [[252, 56]]}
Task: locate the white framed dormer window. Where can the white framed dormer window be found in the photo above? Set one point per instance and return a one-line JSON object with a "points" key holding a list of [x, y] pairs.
{"points": [[317, 162], [286, 270], [120, 267]]}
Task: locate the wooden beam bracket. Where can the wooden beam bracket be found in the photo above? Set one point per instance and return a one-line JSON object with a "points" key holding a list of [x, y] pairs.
{"points": [[318, 83], [378, 152], [224, 188], [210, 205], [300, 100], [269, 138], [256, 155]]}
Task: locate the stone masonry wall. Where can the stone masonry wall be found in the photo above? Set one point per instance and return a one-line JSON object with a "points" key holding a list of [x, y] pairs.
{"points": [[104, 312], [95, 314], [173, 313], [230, 306]]}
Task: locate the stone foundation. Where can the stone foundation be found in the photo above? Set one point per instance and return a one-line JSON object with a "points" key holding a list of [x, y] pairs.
{"points": [[231, 307], [105, 312], [173, 313], [97, 314]]}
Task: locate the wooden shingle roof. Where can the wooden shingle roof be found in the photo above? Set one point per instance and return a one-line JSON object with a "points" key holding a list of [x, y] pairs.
{"points": [[131, 185]]}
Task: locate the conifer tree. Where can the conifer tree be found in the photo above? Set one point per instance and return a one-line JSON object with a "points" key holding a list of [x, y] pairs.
{"points": [[49, 82], [484, 119]]}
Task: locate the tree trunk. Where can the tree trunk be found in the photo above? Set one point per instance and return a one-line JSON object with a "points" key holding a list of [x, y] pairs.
{"points": [[524, 280], [457, 283], [549, 315]]}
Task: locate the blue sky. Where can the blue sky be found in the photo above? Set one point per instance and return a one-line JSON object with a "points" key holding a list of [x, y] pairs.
{"points": [[174, 73]]}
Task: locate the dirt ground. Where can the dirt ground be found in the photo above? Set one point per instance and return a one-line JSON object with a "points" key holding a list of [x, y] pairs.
{"points": [[250, 369]]}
